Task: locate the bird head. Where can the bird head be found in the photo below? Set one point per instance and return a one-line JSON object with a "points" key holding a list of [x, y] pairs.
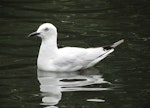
{"points": [[45, 31]]}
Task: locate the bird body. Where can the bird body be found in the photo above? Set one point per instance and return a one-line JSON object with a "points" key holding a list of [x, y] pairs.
{"points": [[52, 58]]}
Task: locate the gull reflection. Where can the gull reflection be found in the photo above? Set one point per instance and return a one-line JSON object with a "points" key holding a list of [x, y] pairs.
{"points": [[52, 84]]}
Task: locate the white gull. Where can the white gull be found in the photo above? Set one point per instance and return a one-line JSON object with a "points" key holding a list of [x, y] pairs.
{"points": [[52, 58]]}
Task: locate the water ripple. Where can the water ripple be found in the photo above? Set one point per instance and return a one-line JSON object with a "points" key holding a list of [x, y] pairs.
{"points": [[52, 84]]}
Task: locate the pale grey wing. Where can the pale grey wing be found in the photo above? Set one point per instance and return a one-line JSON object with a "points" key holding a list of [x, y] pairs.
{"points": [[98, 59], [70, 58], [73, 58], [80, 57], [104, 52]]}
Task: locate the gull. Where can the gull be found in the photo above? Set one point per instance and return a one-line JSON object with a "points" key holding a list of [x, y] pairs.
{"points": [[52, 58]]}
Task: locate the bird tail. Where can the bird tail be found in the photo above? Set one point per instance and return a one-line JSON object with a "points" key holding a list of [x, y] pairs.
{"points": [[112, 46]]}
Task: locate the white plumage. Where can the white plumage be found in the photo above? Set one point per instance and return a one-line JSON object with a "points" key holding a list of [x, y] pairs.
{"points": [[52, 58]]}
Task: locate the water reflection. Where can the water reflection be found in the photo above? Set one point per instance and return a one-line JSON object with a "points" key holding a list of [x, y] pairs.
{"points": [[52, 84]]}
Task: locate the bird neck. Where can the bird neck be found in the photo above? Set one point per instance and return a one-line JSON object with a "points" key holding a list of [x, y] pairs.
{"points": [[48, 47]]}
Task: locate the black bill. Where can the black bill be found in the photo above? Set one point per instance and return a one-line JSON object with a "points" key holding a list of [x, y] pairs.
{"points": [[33, 34]]}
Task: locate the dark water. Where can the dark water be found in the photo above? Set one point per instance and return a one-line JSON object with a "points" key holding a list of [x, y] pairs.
{"points": [[122, 80]]}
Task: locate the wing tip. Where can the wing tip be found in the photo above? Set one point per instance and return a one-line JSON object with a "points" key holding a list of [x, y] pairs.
{"points": [[108, 47], [117, 43]]}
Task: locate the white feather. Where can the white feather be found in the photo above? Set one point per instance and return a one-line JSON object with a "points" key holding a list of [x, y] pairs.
{"points": [[51, 58]]}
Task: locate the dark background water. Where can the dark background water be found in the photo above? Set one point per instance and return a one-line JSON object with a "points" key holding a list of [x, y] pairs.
{"points": [[82, 23]]}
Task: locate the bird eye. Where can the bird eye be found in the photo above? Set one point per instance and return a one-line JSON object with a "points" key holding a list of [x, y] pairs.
{"points": [[46, 29]]}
